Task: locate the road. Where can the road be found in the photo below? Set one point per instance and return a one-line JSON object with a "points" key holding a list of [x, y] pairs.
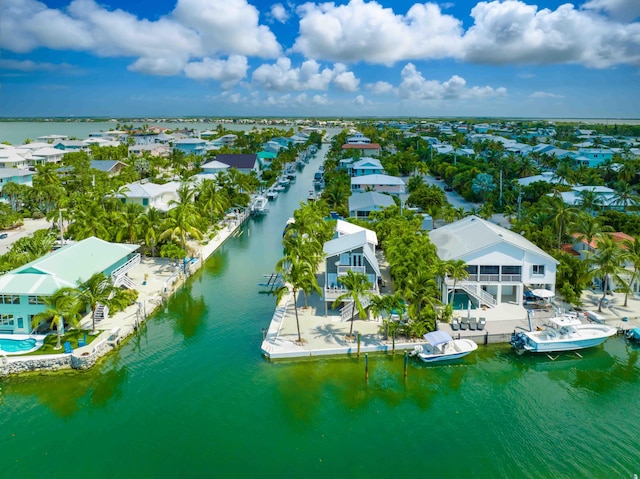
{"points": [[26, 230]]}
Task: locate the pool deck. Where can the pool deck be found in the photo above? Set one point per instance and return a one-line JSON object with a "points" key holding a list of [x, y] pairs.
{"points": [[324, 335]]}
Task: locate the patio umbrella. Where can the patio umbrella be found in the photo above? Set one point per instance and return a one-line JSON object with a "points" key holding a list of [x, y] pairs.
{"points": [[543, 293]]}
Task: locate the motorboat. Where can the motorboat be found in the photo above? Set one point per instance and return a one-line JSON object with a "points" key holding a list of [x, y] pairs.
{"points": [[634, 334], [284, 181], [311, 196], [259, 206], [440, 346], [272, 194], [562, 333], [279, 188]]}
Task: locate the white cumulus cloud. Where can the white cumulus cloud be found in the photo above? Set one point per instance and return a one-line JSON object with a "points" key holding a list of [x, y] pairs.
{"points": [[279, 13], [514, 32], [379, 87], [281, 76], [228, 72], [367, 31], [414, 86], [624, 10], [359, 100], [195, 29]]}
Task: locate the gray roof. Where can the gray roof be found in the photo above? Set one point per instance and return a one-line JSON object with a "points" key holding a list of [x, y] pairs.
{"points": [[105, 165], [460, 238], [376, 180], [369, 200], [351, 242], [13, 172]]}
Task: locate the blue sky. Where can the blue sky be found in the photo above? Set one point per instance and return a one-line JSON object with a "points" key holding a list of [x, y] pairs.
{"points": [[345, 58]]}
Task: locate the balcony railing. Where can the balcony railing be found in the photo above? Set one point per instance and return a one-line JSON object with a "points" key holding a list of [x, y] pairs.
{"points": [[342, 270], [494, 278], [331, 294]]}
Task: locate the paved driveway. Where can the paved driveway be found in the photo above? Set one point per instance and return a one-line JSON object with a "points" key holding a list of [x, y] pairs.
{"points": [[26, 230]]}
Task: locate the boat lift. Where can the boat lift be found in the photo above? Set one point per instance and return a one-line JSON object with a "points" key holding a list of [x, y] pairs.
{"points": [[272, 283]]}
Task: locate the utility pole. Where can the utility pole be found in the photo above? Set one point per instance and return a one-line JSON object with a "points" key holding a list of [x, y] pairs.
{"points": [[500, 187]]}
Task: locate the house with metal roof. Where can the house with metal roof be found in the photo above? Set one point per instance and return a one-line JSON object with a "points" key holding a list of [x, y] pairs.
{"points": [[378, 183], [361, 205], [354, 251], [150, 194], [23, 291], [500, 263], [364, 149]]}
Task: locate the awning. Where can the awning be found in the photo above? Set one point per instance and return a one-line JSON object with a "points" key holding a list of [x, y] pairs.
{"points": [[437, 337], [542, 293]]}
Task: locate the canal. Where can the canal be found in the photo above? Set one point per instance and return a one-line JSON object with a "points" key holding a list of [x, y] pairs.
{"points": [[191, 396]]}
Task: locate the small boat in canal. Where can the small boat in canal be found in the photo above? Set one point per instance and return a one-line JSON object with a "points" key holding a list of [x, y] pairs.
{"points": [[272, 194], [563, 333], [440, 346], [634, 335], [259, 206]]}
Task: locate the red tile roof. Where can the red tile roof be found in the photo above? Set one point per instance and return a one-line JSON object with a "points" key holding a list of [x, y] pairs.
{"points": [[361, 146]]}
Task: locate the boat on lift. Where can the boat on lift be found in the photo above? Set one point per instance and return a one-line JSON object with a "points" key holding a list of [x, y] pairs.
{"points": [[259, 206]]}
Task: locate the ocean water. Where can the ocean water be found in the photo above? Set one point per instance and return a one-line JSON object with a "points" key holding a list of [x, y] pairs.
{"points": [[192, 397]]}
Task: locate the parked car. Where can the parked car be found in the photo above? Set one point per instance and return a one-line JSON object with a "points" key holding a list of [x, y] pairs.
{"points": [[448, 188], [3, 235], [438, 177]]}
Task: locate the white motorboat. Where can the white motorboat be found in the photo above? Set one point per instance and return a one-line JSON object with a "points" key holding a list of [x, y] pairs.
{"points": [[284, 181], [272, 194], [440, 346], [563, 333], [259, 206], [279, 188], [311, 196]]}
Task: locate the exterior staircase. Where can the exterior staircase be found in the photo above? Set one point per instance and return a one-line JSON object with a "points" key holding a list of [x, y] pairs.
{"points": [[482, 296], [347, 309], [119, 275]]}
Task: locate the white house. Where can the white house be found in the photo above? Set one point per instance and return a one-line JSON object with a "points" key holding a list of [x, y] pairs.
{"points": [[150, 194], [363, 149], [379, 184], [500, 262]]}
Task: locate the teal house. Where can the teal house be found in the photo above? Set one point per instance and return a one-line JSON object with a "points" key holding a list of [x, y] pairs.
{"points": [[24, 290]]}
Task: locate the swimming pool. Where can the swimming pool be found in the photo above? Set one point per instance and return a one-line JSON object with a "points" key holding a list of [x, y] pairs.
{"points": [[11, 344]]}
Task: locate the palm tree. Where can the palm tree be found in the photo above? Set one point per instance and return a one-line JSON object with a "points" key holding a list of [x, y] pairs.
{"points": [[183, 219], [561, 214], [590, 201], [298, 274], [632, 255], [605, 263], [97, 290], [60, 306], [421, 290], [587, 227], [385, 303], [357, 286], [457, 270]]}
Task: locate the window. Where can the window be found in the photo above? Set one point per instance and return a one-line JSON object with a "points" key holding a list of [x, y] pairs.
{"points": [[9, 299], [6, 319], [37, 300], [145, 201], [538, 269], [20, 322], [511, 270]]}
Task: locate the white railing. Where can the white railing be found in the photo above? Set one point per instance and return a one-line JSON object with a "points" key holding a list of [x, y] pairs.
{"points": [[121, 270], [125, 281], [331, 294], [342, 270], [347, 310], [478, 293]]}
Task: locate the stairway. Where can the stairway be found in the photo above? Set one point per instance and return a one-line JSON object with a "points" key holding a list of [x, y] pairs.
{"points": [[482, 296]]}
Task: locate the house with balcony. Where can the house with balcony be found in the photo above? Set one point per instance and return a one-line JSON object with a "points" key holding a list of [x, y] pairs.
{"points": [[378, 183], [352, 249], [366, 166], [190, 146], [500, 263], [23, 291]]}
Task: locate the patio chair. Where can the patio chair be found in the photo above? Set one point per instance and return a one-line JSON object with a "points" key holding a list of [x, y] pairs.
{"points": [[464, 324], [455, 324], [473, 324], [82, 342], [67, 347], [481, 323]]}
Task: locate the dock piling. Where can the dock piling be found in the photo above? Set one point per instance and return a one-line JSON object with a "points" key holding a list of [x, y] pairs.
{"points": [[406, 362], [393, 343], [358, 335], [366, 366]]}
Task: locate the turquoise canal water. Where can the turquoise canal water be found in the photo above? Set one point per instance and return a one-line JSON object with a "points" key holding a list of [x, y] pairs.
{"points": [[192, 397]]}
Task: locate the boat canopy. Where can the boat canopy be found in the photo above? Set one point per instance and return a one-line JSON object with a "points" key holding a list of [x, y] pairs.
{"points": [[635, 334], [437, 337]]}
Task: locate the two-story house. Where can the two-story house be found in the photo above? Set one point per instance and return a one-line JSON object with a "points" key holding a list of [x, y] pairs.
{"points": [[500, 263], [378, 183], [351, 249]]}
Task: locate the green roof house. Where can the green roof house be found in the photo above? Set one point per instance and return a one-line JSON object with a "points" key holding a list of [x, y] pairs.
{"points": [[23, 290]]}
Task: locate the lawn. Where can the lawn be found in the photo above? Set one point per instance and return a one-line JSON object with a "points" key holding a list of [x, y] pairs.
{"points": [[52, 339]]}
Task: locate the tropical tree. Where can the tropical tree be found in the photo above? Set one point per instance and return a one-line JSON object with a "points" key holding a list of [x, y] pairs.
{"points": [[61, 306], [358, 287], [632, 255], [97, 290], [384, 305], [421, 290], [183, 220], [606, 263]]}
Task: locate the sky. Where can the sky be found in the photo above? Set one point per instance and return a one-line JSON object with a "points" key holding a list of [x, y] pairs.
{"points": [[356, 58]]}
